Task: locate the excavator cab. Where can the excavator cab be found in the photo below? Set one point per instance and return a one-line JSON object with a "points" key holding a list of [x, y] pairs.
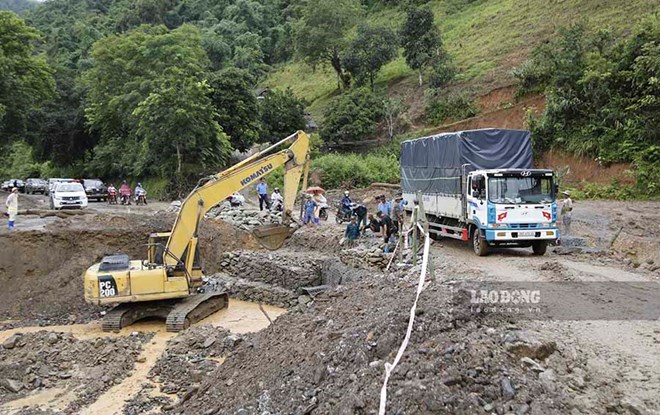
{"points": [[156, 248]]}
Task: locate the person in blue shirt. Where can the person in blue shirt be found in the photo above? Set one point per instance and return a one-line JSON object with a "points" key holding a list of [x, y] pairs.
{"points": [[262, 191], [384, 206], [352, 230], [310, 207], [346, 203]]}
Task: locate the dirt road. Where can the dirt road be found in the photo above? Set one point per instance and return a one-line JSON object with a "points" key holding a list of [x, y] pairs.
{"points": [[326, 354]]}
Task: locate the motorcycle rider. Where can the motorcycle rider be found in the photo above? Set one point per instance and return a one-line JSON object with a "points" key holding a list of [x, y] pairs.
{"points": [[236, 199], [139, 191], [112, 193], [125, 190], [276, 199], [346, 203]]}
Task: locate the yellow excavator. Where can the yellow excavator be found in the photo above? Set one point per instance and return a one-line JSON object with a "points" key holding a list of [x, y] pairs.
{"points": [[169, 283]]}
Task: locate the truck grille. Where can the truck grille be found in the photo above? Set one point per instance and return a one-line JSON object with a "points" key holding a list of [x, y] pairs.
{"points": [[70, 198], [524, 225]]}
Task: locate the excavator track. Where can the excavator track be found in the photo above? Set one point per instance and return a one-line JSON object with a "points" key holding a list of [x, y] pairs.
{"points": [[178, 314], [195, 308]]}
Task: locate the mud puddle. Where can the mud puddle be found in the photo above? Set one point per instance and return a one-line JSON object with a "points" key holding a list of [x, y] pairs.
{"points": [[240, 317]]}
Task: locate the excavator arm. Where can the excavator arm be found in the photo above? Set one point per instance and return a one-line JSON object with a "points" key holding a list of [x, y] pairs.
{"points": [[182, 243]]}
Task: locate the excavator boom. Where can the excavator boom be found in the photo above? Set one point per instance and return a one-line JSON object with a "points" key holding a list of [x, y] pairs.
{"points": [[167, 284], [223, 184]]}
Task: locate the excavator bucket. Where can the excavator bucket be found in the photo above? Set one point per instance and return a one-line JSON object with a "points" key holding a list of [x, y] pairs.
{"points": [[272, 237]]}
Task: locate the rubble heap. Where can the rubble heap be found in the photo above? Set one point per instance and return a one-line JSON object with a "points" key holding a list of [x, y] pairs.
{"points": [[244, 218], [329, 358], [43, 360]]}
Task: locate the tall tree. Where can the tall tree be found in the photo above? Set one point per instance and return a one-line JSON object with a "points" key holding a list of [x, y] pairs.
{"points": [[237, 106], [26, 80], [149, 102], [420, 38], [372, 48], [282, 114], [321, 32]]}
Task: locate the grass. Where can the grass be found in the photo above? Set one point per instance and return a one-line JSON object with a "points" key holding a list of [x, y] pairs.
{"points": [[487, 39]]}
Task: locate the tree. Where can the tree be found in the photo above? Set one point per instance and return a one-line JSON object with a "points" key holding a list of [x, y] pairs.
{"points": [[320, 32], [26, 80], [149, 102], [237, 106], [393, 109], [353, 116], [372, 48], [282, 114], [420, 38], [177, 118]]}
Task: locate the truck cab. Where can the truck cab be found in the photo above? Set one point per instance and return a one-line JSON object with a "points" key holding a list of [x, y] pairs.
{"points": [[511, 207]]}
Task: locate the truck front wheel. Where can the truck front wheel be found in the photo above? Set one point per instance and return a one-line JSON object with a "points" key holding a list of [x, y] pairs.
{"points": [[479, 244], [539, 247]]}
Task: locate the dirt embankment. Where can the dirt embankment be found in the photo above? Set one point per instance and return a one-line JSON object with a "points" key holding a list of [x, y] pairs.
{"points": [[41, 271]]}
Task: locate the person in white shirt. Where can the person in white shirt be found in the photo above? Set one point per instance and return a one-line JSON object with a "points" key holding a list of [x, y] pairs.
{"points": [[12, 207]]}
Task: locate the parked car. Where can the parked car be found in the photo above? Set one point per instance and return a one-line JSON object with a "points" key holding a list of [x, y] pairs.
{"points": [[68, 195], [33, 186], [6, 186], [95, 189], [52, 182]]}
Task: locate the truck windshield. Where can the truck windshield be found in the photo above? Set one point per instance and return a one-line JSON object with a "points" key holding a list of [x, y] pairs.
{"points": [[534, 189]]}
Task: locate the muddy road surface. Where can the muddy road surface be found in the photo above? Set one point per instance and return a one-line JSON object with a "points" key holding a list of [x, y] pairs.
{"points": [[284, 348]]}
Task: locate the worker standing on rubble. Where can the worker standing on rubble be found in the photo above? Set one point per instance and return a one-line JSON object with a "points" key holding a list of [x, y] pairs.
{"points": [[384, 206], [397, 213], [12, 207], [352, 231], [310, 207], [566, 215], [262, 191], [386, 226]]}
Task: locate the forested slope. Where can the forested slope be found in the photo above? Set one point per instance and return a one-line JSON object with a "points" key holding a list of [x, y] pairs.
{"points": [[119, 88]]}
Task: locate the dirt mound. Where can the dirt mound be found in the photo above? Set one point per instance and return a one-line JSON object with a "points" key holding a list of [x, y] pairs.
{"points": [[41, 271], [329, 359], [55, 361]]}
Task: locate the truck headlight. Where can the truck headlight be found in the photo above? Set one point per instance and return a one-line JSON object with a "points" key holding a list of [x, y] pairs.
{"points": [[545, 225]]}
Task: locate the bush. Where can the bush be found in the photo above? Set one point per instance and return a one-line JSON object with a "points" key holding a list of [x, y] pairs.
{"points": [[456, 106], [355, 170]]}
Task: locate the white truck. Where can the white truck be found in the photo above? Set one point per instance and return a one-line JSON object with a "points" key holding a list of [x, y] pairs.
{"points": [[479, 186]]}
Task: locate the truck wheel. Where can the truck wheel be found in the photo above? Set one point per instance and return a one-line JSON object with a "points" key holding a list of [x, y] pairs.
{"points": [[539, 247], [479, 244]]}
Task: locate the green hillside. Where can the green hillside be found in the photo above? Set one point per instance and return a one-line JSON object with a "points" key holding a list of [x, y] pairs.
{"points": [[486, 38]]}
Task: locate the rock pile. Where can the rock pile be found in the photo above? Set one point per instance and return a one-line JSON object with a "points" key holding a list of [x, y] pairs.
{"points": [[254, 291], [188, 358], [44, 360], [329, 358], [291, 271], [244, 218]]}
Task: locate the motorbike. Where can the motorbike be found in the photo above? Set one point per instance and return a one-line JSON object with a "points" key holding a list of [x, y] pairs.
{"points": [[125, 199], [277, 206], [140, 199], [323, 211], [343, 216], [112, 198]]}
